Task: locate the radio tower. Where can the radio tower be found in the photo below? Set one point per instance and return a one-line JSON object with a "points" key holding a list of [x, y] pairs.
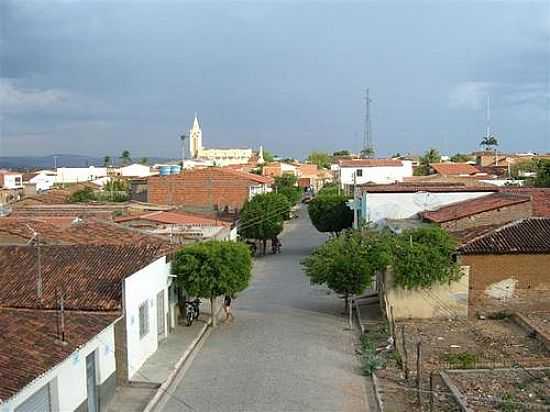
{"points": [[368, 145]]}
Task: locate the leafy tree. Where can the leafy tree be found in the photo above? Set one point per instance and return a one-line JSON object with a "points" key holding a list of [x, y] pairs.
{"points": [[367, 152], [423, 257], [213, 268], [81, 196], [529, 166], [542, 178], [347, 264], [107, 161], [116, 185], [341, 153], [287, 186], [262, 218], [460, 158], [329, 212], [396, 155], [321, 159], [268, 156], [489, 142], [431, 156], [125, 157], [144, 161]]}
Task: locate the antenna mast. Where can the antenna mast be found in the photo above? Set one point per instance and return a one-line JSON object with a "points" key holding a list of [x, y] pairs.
{"points": [[488, 116], [368, 144]]}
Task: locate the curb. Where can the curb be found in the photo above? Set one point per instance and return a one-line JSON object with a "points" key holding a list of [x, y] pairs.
{"points": [[163, 388], [377, 393]]}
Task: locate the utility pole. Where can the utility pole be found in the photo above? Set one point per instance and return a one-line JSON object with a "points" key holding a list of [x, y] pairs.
{"points": [[368, 144]]}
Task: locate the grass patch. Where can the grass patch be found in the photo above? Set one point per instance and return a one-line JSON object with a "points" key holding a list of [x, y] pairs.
{"points": [[462, 360]]}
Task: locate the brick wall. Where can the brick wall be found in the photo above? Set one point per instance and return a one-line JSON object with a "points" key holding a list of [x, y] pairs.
{"points": [[206, 193], [508, 282], [502, 215]]}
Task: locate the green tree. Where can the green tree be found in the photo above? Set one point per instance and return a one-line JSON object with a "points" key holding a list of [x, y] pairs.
{"points": [[213, 268], [423, 257], [367, 152], [81, 196], [287, 186], [125, 157], [262, 218], [347, 264], [460, 158], [321, 159], [144, 161], [542, 178], [268, 156], [525, 166], [489, 142], [431, 156], [107, 161], [329, 212], [341, 153]]}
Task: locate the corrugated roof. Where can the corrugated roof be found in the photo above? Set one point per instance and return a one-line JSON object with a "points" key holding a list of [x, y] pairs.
{"points": [[446, 169], [90, 275], [527, 236], [370, 163], [472, 207], [29, 345]]}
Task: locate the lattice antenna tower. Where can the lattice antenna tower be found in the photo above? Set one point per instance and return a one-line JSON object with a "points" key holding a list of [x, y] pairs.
{"points": [[368, 143]]}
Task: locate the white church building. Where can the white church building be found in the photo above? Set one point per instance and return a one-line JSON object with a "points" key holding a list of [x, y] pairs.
{"points": [[217, 157]]}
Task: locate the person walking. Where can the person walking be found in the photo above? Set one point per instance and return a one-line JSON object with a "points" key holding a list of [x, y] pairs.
{"points": [[227, 308]]}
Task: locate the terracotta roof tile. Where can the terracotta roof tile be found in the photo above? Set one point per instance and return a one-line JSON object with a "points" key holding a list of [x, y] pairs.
{"points": [[370, 163], [540, 199], [29, 346], [529, 236], [446, 169], [472, 207], [174, 218], [90, 275]]}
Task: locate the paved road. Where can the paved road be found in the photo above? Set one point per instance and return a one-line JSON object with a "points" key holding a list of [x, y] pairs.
{"points": [[288, 348]]}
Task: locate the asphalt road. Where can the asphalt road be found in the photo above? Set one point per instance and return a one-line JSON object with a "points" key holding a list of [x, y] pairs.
{"points": [[287, 350]]}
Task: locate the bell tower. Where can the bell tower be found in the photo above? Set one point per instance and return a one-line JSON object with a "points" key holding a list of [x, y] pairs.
{"points": [[195, 139]]}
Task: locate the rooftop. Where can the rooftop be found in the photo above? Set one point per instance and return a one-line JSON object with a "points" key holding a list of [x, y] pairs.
{"points": [[530, 236], [217, 173], [472, 207], [370, 163], [435, 187], [174, 218], [91, 276], [457, 169], [29, 346]]}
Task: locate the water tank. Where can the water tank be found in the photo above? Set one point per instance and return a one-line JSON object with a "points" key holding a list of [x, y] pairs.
{"points": [[165, 170], [175, 169]]}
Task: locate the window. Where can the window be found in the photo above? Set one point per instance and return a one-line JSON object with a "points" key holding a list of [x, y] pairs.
{"points": [[38, 401], [143, 319], [359, 172]]}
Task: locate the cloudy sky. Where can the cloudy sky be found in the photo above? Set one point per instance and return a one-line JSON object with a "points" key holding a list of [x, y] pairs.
{"points": [[97, 77]]}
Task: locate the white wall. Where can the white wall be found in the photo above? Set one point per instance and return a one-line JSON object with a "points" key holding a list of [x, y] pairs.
{"points": [[135, 170], [13, 181], [377, 174], [378, 206], [140, 287], [43, 181], [79, 174], [71, 374]]}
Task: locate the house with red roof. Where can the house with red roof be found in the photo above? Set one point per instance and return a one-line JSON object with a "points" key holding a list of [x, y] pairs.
{"points": [[349, 172]]}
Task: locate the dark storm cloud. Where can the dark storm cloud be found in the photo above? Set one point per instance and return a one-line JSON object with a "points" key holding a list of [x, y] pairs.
{"points": [[105, 76]]}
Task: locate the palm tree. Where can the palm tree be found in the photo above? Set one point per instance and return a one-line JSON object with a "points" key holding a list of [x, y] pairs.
{"points": [[489, 142], [125, 157], [107, 161]]}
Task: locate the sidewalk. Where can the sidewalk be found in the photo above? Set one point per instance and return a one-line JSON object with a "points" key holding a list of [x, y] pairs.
{"points": [[161, 366]]}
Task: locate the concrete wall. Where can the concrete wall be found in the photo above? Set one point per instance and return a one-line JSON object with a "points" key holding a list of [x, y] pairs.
{"points": [[378, 206], [378, 174], [79, 174], [508, 282], [441, 301], [43, 181], [68, 379], [491, 217], [141, 287]]}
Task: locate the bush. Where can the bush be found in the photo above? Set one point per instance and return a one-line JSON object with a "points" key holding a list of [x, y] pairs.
{"points": [[329, 212]]}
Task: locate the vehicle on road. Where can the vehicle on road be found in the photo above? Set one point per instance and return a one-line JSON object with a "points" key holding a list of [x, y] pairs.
{"points": [[192, 311]]}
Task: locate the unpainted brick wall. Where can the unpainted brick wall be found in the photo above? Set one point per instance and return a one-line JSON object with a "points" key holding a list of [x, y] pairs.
{"points": [[522, 280], [491, 217]]}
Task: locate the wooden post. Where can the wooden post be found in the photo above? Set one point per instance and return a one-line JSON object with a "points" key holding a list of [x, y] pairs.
{"points": [[406, 358], [418, 380]]}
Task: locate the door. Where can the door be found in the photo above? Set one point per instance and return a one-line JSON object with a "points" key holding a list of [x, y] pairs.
{"points": [[161, 328], [91, 383]]}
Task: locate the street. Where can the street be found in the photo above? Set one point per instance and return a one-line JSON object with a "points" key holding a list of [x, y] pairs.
{"points": [[288, 349]]}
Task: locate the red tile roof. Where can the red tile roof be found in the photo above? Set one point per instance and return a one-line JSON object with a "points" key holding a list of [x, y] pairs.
{"points": [[540, 199], [219, 173], [29, 346], [90, 275], [173, 218], [472, 207], [526, 236], [370, 163], [446, 169]]}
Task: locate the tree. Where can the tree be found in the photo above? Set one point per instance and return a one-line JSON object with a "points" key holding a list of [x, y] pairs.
{"points": [[287, 186], [321, 159], [525, 166], [431, 156], [213, 268], [144, 161], [81, 196], [262, 218], [367, 152], [542, 178], [460, 158], [107, 161], [489, 142], [125, 157], [347, 264], [268, 156], [329, 212], [341, 153], [423, 257]]}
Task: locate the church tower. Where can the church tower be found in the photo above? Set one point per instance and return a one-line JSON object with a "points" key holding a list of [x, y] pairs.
{"points": [[195, 139]]}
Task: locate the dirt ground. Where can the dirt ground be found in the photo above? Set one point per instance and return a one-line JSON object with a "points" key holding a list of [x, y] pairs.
{"points": [[541, 320], [504, 389]]}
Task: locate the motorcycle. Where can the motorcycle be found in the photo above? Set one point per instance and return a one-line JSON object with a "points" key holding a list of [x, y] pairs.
{"points": [[192, 311]]}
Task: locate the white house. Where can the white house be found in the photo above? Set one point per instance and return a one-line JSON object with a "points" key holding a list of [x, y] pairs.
{"points": [[72, 371], [380, 171], [401, 201], [11, 180], [79, 174], [135, 170], [43, 179]]}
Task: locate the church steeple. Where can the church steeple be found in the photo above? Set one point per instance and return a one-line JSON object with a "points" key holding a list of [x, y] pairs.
{"points": [[195, 139]]}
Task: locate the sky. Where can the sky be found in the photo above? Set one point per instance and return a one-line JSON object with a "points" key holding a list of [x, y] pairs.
{"points": [[98, 77]]}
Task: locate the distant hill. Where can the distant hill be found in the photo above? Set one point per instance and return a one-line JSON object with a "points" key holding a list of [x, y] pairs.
{"points": [[62, 160]]}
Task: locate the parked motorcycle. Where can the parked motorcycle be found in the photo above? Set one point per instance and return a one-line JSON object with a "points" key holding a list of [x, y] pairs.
{"points": [[192, 310]]}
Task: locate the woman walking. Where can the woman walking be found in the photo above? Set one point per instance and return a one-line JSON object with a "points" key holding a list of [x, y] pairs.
{"points": [[227, 308]]}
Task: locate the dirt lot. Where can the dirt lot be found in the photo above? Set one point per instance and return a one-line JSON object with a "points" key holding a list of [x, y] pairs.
{"points": [[541, 320], [504, 389]]}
